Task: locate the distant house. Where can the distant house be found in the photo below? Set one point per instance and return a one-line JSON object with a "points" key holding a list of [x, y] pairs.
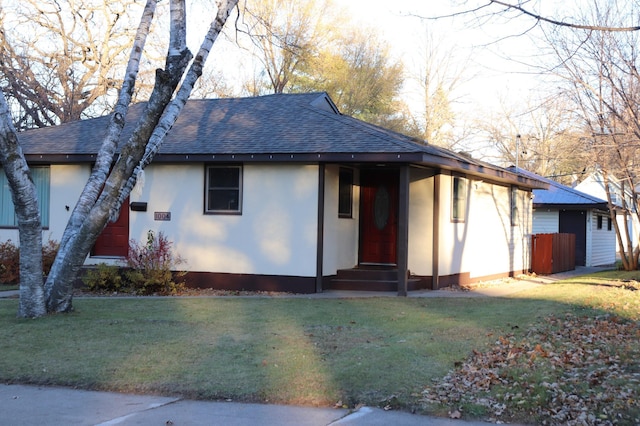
{"points": [[283, 192], [562, 209], [594, 185]]}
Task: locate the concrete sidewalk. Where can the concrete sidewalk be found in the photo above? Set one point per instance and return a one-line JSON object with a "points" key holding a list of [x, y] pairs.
{"points": [[35, 406]]}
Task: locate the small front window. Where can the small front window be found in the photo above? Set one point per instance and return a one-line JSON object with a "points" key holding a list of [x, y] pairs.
{"points": [[345, 193], [514, 206], [459, 199], [223, 189]]}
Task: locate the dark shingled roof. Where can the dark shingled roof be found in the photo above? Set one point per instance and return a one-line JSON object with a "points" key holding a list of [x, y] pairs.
{"points": [[298, 127]]}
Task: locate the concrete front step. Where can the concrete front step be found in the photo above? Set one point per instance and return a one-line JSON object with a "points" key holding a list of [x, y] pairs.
{"points": [[368, 279]]}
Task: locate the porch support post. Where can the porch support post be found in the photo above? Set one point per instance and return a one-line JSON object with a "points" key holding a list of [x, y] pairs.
{"points": [[403, 230], [320, 229], [435, 249]]}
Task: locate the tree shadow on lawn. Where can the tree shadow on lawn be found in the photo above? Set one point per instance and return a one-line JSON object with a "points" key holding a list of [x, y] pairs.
{"points": [[319, 352]]}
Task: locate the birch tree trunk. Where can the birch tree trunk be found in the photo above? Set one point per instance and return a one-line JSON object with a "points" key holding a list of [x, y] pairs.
{"points": [[93, 214], [25, 200], [57, 294]]}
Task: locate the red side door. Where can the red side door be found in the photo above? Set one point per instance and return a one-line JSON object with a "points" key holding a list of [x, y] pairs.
{"points": [[378, 216], [114, 240]]}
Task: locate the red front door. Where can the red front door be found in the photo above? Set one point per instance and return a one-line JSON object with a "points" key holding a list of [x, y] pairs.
{"points": [[378, 216], [114, 239]]}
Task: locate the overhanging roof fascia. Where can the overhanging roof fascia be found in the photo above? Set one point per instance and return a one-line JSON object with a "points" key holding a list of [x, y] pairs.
{"points": [[485, 171], [480, 171]]}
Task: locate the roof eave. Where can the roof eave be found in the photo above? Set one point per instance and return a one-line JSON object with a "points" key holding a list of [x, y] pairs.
{"points": [[594, 206], [486, 171], [419, 158]]}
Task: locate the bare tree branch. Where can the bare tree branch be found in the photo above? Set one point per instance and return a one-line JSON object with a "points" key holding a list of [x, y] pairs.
{"points": [[538, 17]]}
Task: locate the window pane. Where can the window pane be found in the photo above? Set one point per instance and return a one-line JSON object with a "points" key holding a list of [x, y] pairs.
{"points": [[224, 177], [514, 206], [41, 178], [223, 199], [224, 189], [7, 215], [345, 193], [459, 198]]}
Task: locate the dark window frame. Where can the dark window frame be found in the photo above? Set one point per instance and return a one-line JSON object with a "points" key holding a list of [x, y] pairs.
{"points": [[609, 223], [345, 193], [208, 191], [599, 222]]}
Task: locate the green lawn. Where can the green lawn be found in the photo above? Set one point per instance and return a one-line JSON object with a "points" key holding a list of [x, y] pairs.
{"points": [[375, 351]]}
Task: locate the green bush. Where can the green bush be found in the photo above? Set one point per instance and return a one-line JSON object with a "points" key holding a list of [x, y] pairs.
{"points": [[150, 266], [10, 260], [104, 278]]}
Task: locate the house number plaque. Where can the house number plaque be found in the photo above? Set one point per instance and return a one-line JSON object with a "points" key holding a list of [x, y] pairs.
{"points": [[166, 216]]}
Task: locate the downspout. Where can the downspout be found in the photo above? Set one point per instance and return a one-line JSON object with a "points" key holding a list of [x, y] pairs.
{"points": [[320, 228]]}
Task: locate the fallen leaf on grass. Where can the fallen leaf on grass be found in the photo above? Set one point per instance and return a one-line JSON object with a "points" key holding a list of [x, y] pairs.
{"points": [[455, 414], [571, 370]]}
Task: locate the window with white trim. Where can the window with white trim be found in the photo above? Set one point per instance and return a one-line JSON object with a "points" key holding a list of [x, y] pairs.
{"points": [[41, 176], [223, 189]]}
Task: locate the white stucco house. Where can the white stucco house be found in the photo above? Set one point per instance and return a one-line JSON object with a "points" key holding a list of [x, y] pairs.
{"points": [[562, 209], [594, 185], [283, 192]]}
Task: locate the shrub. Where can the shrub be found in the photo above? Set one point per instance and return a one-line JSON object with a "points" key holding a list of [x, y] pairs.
{"points": [[9, 263], [104, 278], [49, 253], [10, 260], [151, 264]]}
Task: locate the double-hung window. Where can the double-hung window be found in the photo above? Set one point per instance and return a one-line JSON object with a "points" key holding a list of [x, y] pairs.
{"points": [[223, 189], [459, 199], [41, 178]]}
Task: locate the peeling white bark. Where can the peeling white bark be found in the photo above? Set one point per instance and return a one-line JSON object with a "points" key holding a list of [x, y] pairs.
{"points": [[93, 214], [59, 285], [107, 187], [25, 200]]}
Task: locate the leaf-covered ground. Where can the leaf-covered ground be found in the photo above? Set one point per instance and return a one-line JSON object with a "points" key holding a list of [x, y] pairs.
{"points": [[564, 371]]}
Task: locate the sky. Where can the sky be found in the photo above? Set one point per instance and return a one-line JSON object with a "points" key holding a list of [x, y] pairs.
{"points": [[396, 22], [492, 61], [493, 67]]}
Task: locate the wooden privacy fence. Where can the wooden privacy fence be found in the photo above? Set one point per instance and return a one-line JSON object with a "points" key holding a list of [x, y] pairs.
{"points": [[553, 253]]}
